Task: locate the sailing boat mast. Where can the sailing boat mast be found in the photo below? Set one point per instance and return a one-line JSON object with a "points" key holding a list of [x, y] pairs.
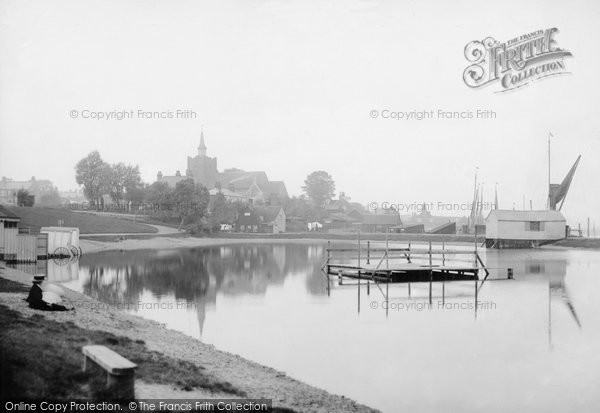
{"points": [[549, 181], [472, 216]]}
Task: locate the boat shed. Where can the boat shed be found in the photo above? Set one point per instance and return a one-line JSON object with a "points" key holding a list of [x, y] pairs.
{"points": [[523, 229], [8, 234]]}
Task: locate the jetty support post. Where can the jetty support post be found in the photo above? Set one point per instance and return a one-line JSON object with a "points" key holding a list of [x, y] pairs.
{"points": [[340, 276], [443, 293], [328, 255], [358, 263], [368, 252], [475, 239], [387, 294], [387, 264], [430, 275], [358, 284], [476, 289], [358, 289], [443, 253]]}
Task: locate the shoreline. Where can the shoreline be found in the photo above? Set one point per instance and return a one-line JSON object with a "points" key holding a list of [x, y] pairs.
{"points": [[254, 379], [170, 241], [158, 243]]}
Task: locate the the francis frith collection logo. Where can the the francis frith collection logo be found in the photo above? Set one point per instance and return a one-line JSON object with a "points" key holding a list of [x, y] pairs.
{"points": [[515, 63]]}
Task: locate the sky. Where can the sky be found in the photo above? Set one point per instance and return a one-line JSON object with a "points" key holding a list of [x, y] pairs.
{"points": [[289, 87]]}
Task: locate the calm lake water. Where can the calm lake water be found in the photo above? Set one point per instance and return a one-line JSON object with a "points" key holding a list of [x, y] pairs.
{"points": [[532, 345]]}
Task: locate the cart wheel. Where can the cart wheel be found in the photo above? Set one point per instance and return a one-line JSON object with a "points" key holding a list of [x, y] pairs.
{"points": [[62, 261], [74, 251], [62, 252]]}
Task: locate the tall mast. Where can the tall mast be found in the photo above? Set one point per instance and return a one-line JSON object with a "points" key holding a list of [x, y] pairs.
{"points": [[474, 205], [549, 182]]}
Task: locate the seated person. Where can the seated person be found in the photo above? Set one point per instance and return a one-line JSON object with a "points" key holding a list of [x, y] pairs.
{"points": [[39, 300]]}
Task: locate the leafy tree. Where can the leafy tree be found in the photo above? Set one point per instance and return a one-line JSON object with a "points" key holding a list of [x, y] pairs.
{"points": [[123, 179], [94, 174], [302, 207], [116, 188], [222, 212], [24, 198], [160, 195], [132, 182], [319, 186], [136, 195], [191, 200]]}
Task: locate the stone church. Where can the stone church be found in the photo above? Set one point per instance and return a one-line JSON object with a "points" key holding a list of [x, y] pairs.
{"points": [[235, 184]]}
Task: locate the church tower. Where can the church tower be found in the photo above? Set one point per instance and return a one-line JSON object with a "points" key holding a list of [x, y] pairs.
{"points": [[203, 168], [202, 146]]}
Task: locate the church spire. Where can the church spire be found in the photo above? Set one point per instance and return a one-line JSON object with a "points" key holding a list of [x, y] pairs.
{"points": [[202, 146]]}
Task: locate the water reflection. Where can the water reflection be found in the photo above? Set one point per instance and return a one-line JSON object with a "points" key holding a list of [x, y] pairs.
{"points": [[197, 275], [542, 267], [265, 302]]}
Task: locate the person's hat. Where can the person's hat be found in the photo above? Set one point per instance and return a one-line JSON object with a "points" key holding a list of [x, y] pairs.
{"points": [[38, 278]]}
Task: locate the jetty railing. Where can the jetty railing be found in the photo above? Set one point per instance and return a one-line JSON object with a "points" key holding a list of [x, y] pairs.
{"points": [[367, 258]]}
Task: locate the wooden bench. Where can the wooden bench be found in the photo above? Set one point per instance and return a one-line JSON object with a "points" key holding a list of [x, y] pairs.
{"points": [[120, 371]]}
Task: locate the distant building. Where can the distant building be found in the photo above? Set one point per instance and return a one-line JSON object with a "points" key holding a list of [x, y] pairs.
{"points": [[247, 186], [36, 187], [523, 229], [447, 228], [229, 195], [266, 219], [379, 222]]}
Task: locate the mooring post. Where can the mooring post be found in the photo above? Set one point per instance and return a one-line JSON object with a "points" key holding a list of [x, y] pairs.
{"points": [[509, 273], [368, 288], [340, 276]]}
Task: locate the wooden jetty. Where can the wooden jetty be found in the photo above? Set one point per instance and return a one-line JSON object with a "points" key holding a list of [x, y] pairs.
{"points": [[415, 263]]}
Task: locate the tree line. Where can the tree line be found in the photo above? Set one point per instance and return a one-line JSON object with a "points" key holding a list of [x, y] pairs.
{"points": [[188, 202]]}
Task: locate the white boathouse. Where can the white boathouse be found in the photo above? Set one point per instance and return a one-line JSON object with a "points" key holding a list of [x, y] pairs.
{"points": [[523, 229]]}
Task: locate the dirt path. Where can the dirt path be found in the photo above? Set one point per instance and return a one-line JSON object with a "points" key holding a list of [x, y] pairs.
{"points": [[160, 230], [256, 380]]}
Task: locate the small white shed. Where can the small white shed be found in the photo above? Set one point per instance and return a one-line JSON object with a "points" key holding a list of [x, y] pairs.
{"points": [[8, 234], [62, 240], [523, 229]]}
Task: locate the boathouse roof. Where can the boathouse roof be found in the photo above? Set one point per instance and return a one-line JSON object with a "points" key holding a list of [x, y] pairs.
{"points": [[7, 214], [515, 215]]}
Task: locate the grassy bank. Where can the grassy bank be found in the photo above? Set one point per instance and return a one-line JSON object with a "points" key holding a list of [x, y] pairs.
{"points": [[88, 223], [40, 356], [50, 366]]}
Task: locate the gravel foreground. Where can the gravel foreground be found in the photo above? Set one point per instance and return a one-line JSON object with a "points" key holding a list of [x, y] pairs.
{"points": [[256, 380]]}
